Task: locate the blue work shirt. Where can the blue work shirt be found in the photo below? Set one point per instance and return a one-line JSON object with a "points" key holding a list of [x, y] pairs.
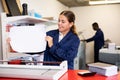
{"points": [[66, 49], [98, 39]]}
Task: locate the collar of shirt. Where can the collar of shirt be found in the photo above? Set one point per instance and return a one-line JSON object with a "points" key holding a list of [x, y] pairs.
{"points": [[60, 36]]}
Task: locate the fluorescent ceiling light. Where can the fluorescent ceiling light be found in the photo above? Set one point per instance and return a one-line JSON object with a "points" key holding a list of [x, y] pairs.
{"points": [[104, 2]]}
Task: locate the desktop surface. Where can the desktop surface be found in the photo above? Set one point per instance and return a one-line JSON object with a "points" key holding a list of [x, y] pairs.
{"points": [[72, 75]]}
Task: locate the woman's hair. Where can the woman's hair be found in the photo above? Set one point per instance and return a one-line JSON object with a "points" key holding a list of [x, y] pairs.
{"points": [[71, 18]]}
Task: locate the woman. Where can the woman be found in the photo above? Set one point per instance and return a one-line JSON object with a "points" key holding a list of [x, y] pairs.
{"points": [[62, 44]]}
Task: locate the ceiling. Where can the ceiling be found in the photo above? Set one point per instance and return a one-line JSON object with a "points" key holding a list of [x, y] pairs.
{"points": [[75, 3]]}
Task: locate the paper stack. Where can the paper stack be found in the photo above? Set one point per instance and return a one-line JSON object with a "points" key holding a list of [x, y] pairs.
{"points": [[103, 68], [111, 46], [28, 39]]}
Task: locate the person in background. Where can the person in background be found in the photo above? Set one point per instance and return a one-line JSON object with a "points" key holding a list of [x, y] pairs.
{"points": [[63, 43], [98, 39]]}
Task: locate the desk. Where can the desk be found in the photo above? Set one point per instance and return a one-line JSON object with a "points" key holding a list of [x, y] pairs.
{"points": [[72, 75]]}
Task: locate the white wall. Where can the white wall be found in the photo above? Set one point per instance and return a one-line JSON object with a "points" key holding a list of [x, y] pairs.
{"points": [[47, 8], [108, 17]]}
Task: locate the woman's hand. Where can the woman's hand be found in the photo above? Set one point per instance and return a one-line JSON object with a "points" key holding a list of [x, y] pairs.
{"points": [[49, 39], [8, 40]]}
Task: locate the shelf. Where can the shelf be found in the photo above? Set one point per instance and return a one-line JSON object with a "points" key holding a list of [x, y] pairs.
{"points": [[24, 19], [16, 20], [21, 21]]}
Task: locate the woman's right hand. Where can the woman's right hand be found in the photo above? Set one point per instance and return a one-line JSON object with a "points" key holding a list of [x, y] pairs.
{"points": [[49, 39]]}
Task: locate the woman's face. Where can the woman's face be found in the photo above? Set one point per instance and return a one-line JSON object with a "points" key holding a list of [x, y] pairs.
{"points": [[63, 24]]}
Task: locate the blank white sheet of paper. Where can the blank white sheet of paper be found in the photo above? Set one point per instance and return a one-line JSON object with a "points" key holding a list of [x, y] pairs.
{"points": [[28, 38]]}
